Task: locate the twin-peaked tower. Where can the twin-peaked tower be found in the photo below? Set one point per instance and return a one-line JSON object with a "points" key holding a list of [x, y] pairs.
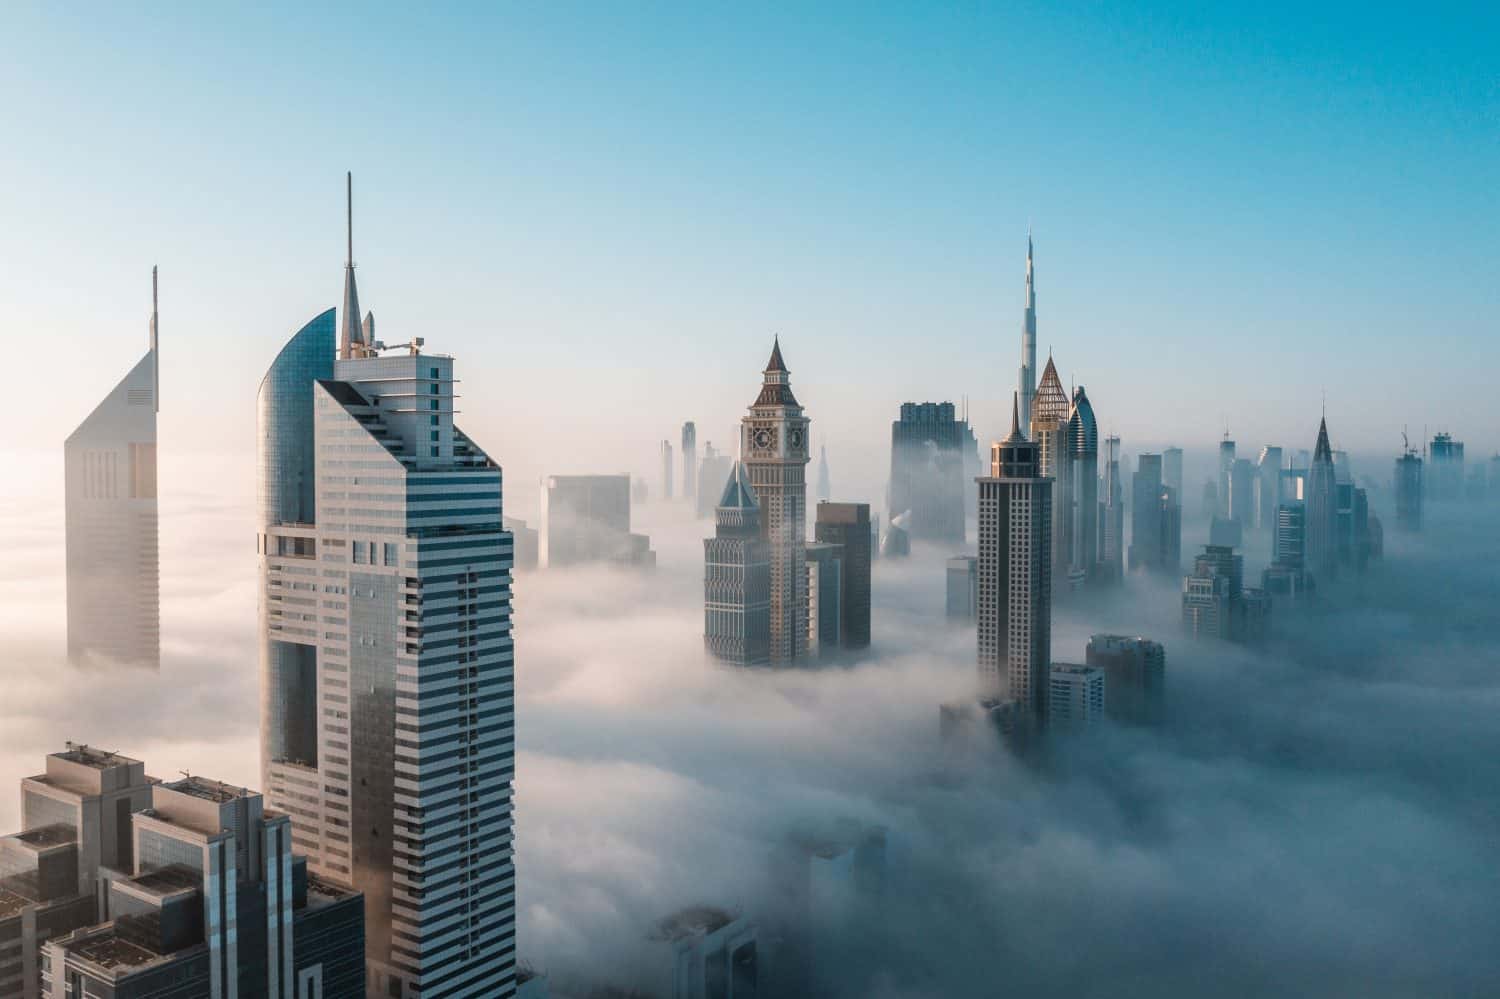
{"points": [[773, 449], [387, 668]]}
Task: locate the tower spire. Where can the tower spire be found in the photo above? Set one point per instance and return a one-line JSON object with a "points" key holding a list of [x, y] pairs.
{"points": [[1027, 380], [351, 337], [155, 353]]}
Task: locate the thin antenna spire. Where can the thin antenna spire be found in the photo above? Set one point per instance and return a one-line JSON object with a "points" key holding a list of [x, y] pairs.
{"points": [[351, 336], [349, 214]]}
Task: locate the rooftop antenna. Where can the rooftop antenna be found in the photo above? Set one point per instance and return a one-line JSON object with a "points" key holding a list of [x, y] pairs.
{"points": [[349, 214]]}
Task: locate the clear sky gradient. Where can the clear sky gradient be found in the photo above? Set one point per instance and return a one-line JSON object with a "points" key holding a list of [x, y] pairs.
{"points": [[606, 210]]}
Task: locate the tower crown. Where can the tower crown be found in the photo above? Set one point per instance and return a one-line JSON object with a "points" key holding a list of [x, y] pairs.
{"points": [[776, 390]]}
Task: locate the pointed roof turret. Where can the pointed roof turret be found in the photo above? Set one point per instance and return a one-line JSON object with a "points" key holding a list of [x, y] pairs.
{"points": [[1322, 451], [369, 329], [776, 389], [351, 337], [1016, 437], [1051, 403], [776, 363]]}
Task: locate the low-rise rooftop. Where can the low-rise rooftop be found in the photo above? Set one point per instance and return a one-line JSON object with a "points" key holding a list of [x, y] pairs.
{"points": [[696, 919]]}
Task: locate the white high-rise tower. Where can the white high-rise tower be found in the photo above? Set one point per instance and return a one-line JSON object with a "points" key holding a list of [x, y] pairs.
{"points": [[387, 716], [1027, 387]]}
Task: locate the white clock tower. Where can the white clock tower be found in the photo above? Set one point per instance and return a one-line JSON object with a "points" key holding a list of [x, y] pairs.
{"points": [[773, 448]]}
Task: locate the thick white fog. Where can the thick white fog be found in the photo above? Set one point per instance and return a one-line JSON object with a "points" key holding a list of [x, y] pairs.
{"points": [[1316, 817]]}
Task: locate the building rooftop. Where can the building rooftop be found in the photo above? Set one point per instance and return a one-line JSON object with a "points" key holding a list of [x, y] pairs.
{"points": [[169, 880], [12, 903], [321, 891], [46, 836], [99, 759], [107, 951], [209, 790], [1075, 669], [697, 919]]}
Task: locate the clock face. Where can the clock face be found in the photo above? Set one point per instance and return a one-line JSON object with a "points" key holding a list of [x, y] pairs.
{"points": [[796, 437], [761, 438]]}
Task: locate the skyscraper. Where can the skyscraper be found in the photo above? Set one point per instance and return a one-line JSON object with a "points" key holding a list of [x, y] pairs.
{"points": [[773, 444], [666, 469], [1267, 487], [825, 488], [1242, 493], [737, 578], [824, 589], [586, 518], [387, 659], [930, 447], [1408, 487], [1226, 469], [848, 526], [1083, 489], [1112, 516], [712, 471], [1322, 510], [1155, 520], [1171, 470], [689, 459], [1075, 694], [1135, 676], [1015, 573], [1027, 376], [109, 462], [1049, 423], [962, 587], [1445, 468]]}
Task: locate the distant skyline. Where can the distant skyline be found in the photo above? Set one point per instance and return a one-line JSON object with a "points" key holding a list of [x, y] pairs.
{"points": [[607, 211]]}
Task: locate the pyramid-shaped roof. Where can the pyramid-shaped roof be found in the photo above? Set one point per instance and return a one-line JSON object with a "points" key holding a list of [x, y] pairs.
{"points": [[1322, 452], [739, 494], [1051, 402]]}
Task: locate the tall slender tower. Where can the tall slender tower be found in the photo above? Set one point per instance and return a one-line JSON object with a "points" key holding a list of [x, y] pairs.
{"points": [[1083, 490], [1027, 386], [387, 716], [1112, 515], [109, 463], [773, 442], [689, 459], [1322, 509], [1015, 573], [825, 486]]}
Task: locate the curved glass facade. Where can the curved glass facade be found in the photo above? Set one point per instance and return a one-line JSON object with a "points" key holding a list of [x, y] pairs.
{"points": [[287, 495], [284, 423]]}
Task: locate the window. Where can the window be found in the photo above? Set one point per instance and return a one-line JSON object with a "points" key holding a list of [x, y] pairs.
{"points": [[433, 420], [361, 553], [432, 389], [435, 452], [432, 404], [390, 553], [434, 436]]}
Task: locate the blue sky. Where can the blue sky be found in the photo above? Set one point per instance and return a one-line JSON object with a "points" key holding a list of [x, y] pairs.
{"points": [[605, 211]]}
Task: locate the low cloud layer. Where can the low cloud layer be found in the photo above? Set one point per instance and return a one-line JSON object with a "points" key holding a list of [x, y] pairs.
{"points": [[1318, 818]]}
